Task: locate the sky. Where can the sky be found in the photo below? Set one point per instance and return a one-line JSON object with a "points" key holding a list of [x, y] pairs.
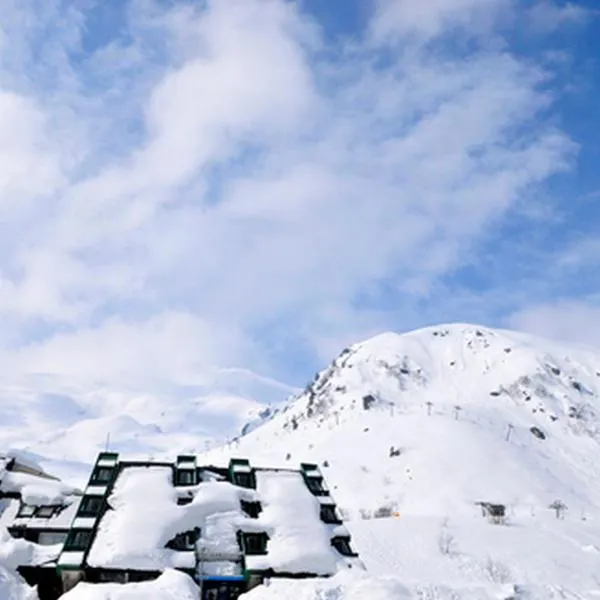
{"points": [[187, 185]]}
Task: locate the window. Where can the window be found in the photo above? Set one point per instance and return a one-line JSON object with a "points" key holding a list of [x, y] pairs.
{"points": [[45, 512], [185, 477], [102, 475], [113, 577], [328, 514], [112, 456], [183, 500], [252, 509], [51, 538], [184, 541], [254, 543], [78, 539], [243, 480], [342, 545], [90, 506], [137, 576], [315, 485], [26, 510]]}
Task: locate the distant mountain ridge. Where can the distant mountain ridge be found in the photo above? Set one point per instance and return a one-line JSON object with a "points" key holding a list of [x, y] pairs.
{"points": [[64, 424]]}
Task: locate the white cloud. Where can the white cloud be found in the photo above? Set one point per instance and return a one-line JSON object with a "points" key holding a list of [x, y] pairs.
{"points": [[397, 18], [29, 168], [581, 253], [167, 347], [575, 321], [247, 178], [546, 15]]}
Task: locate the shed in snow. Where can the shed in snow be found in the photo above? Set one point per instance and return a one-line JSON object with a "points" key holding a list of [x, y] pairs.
{"points": [[227, 527]]}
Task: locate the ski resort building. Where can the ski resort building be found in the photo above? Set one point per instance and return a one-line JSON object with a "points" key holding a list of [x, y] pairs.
{"points": [[229, 527]]}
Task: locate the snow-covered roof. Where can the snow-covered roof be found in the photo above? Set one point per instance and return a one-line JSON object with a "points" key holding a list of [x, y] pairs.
{"points": [[145, 516], [35, 501], [33, 489], [299, 541]]}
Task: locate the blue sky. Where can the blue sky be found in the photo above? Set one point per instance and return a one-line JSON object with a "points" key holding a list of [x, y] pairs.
{"points": [[258, 183]]}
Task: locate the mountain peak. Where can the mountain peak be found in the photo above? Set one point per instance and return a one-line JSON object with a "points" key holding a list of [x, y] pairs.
{"points": [[447, 416]]}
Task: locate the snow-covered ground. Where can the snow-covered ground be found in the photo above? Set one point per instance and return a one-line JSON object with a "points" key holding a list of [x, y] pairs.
{"points": [[423, 426], [538, 553]]}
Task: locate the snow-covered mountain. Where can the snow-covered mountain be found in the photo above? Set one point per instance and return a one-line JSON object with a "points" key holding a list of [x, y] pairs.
{"points": [[433, 421], [412, 431], [63, 425]]}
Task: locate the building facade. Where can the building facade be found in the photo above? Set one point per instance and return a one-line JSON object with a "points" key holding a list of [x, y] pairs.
{"points": [[228, 527]]}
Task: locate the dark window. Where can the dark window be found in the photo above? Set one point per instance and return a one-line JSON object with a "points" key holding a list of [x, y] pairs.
{"points": [[328, 514], [243, 479], [315, 485], [51, 538], [255, 543], [221, 591], [78, 539], [252, 509], [185, 477], [31, 535], [135, 576], [26, 510], [183, 500], [342, 545], [102, 475], [45, 512], [184, 541], [108, 456], [90, 506], [112, 577]]}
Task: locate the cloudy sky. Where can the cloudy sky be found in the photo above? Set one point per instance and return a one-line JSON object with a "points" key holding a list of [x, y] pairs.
{"points": [[256, 183]]}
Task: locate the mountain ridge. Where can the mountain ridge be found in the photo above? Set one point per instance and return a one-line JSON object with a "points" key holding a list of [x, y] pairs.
{"points": [[519, 413]]}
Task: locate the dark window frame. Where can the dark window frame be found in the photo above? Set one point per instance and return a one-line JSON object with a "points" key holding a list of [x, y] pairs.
{"points": [[98, 478], [316, 486], [185, 477], [84, 509], [243, 479], [30, 508], [342, 545], [254, 543], [49, 510], [184, 541], [78, 540], [328, 514], [251, 509], [49, 532]]}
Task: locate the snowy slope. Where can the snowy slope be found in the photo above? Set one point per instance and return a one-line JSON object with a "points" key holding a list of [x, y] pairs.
{"points": [[537, 552], [457, 404]]}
